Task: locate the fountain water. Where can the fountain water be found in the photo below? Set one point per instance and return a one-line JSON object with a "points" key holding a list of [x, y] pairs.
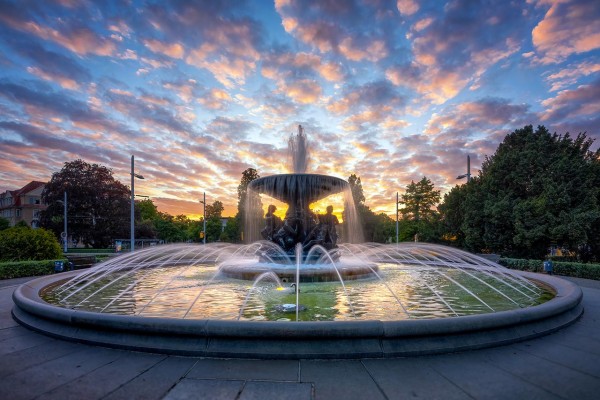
{"points": [[354, 299]]}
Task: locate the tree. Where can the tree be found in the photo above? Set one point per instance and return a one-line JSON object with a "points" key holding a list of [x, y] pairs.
{"points": [[419, 215], [419, 200], [23, 243], [4, 223], [214, 210], [537, 190], [98, 205], [214, 227], [357, 189], [245, 203], [369, 221]]}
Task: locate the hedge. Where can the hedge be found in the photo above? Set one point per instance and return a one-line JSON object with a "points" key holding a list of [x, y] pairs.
{"points": [[574, 269], [19, 269], [19, 244], [79, 250]]}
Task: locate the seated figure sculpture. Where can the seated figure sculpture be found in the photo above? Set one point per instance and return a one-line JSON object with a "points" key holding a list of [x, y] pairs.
{"points": [[324, 233], [290, 232], [272, 223]]}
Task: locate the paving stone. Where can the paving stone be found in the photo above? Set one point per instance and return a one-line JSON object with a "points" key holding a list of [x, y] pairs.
{"points": [[343, 379], [482, 380], [155, 382], [24, 340], [412, 378], [42, 378], [583, 361], [11, 332], [272, 370], [112, 375], [276, 390], [32, 356], [193, 389]]}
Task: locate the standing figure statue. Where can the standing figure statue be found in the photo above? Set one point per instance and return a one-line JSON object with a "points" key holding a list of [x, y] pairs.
{"points": [[272, 223], [328, 222]]}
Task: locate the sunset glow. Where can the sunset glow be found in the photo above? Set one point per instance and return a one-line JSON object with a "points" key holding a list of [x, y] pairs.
{"points": [[199, 91]]}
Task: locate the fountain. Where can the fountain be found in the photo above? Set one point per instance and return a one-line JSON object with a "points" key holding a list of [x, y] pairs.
{"points": [[304, 287]]}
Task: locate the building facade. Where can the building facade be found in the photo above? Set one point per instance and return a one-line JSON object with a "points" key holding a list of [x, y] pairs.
{"points": [[23, 204]]}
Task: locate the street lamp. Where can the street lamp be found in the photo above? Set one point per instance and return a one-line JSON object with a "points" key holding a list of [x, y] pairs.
{"points": [[397, 202], [133, 176], [204, 218], [468, 174], [64, 235]]}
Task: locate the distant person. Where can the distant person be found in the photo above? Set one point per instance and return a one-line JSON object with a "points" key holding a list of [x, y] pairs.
{"points": [[272, 223]]}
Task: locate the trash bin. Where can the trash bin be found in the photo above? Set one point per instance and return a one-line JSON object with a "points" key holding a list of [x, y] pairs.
{"points": [[548, 267], [59, 266]]}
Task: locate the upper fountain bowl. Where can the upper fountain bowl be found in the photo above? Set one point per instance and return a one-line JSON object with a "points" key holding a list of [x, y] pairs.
{"points": [[305, 187]]}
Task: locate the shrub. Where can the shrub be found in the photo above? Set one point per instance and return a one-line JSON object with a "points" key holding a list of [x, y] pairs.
{"points": [[574, 269], [20, 243], [19, 269]]}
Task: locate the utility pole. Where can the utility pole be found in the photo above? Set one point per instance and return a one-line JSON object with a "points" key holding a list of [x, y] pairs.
{"points": [[468, 174]]}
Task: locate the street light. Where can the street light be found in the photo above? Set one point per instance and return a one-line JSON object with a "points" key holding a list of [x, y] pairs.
{"points": [[133, 176], [468, 174], [397, 202], [64, 235], [204, 218]]}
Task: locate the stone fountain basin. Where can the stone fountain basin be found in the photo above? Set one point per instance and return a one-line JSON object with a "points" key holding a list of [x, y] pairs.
{"points": [[297, 340]]}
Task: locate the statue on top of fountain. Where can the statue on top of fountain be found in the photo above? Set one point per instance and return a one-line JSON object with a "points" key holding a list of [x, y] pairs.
{"points": [[272, 224], [324, 233], [316, 230]]}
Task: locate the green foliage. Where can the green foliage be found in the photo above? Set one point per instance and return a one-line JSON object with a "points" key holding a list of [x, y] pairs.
{"points": [[98, 206], [419, 200], [538, 189], [173, 229], [19, 269], [245, 203], [376, 227], [4, 224], [20, 243], [232, 232], [577, 270], [420, 219]]}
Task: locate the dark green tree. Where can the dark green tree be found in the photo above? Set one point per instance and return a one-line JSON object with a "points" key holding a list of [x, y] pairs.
{"points": [[214, 226], [372, 231], [246, 203], [4, 223], [538, 189], [419, 214], [98, 204]]}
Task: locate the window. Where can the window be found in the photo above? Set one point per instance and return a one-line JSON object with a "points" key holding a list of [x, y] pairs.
{"points": [[18, 212]]}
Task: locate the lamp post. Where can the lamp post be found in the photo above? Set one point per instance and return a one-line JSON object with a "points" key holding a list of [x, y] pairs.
{"points": [[468, 174], [133, 176], [65, 223], [64, 235], [204, 218], [397, 202]]}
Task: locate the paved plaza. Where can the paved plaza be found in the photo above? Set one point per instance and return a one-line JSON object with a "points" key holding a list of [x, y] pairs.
{"points": [[563, 365]]}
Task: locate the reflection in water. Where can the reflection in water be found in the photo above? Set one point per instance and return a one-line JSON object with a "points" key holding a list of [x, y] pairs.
{"points": [[198, 292]]}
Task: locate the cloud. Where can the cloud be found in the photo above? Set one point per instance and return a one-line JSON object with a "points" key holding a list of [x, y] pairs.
{"points": [[373, 103], [570, 75], [569, 27], [457, 45], [573, 104], [173, 50], [332, 26], [51, 66], [70, 34]]}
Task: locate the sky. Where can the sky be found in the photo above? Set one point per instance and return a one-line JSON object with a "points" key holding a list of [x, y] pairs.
{"points": [[199, 91]]}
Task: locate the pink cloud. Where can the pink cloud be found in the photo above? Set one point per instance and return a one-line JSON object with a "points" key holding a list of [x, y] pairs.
{"points": [[568, 27]]}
